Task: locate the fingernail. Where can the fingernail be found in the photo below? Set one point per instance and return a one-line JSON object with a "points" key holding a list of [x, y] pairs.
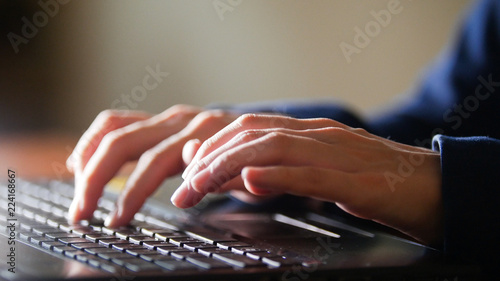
{"points": [[113, 217], [179, 194], [185, 197]]}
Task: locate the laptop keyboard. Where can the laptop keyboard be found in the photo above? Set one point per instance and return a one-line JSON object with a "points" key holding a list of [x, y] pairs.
{"points": [[150, 243]]}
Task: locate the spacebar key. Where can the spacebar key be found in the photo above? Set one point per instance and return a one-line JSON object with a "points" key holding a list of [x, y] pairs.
{"points": [[238, 260]]}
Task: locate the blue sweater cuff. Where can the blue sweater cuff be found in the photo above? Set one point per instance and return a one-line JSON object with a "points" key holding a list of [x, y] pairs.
{"points": [[471, 196]]}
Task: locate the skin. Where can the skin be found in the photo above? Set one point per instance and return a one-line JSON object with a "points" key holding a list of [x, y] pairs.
{"points": [[257, 155]]}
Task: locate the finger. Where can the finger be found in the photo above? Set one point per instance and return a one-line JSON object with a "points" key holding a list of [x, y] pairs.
{"points": [[253, 121], [162, 161], [345, 138], [189, 150], [186, 197], [104, 123], [272, 149], [115, 149], [360, 194], [320, 183], [153, 167]]}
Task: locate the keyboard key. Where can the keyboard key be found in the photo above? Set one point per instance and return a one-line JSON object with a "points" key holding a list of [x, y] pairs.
{"points": [[242, 250], [173, 264], [70, 241], [208, 252], [63, 248], [87, 245], [128, 246], [182, 255], [167, 236], [278, 261], [96, 237], [180, 241], [121, 260], [55, 222], [109, 267], [153, 244], [74, 254], [50, 245], [58, 235], [207, 263], [139, 239], [229, 245], [41, 218], [40, 230], [25, 236], [112, 231], [125, 233], [259, 255], [37, 239], [140, 251], [96, 251], [113, 255], [168, 250], [83, 230], [112, 241], [85, 257], [152, 231], [152, 257], [210, 237], [139, 265], [238, 260], [197, 246]]}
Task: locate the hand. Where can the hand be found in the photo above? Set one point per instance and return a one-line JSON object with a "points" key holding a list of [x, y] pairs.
{"points": [[366, 175], [164, 144]]}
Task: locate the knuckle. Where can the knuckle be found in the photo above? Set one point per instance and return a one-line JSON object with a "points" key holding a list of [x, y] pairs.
{"points": [[248, 119], [207, 118], [107, 115], [342, 134], [326, 122], [277, 144], [249, 135], [278, 138], [336, 130], [114, 139], [108, 119], [179, 111], [180, 108], [150, 157], [360, 131]]}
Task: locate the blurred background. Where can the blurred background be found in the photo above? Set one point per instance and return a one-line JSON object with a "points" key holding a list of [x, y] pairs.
{"points": [[62, 62]]}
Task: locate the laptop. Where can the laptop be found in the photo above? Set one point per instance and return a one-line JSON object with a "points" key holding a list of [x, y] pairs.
{"points": [[288, 238]]}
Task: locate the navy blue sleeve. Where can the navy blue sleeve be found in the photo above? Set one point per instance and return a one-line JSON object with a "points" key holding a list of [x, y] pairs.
{"points": [[471, 198]]}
